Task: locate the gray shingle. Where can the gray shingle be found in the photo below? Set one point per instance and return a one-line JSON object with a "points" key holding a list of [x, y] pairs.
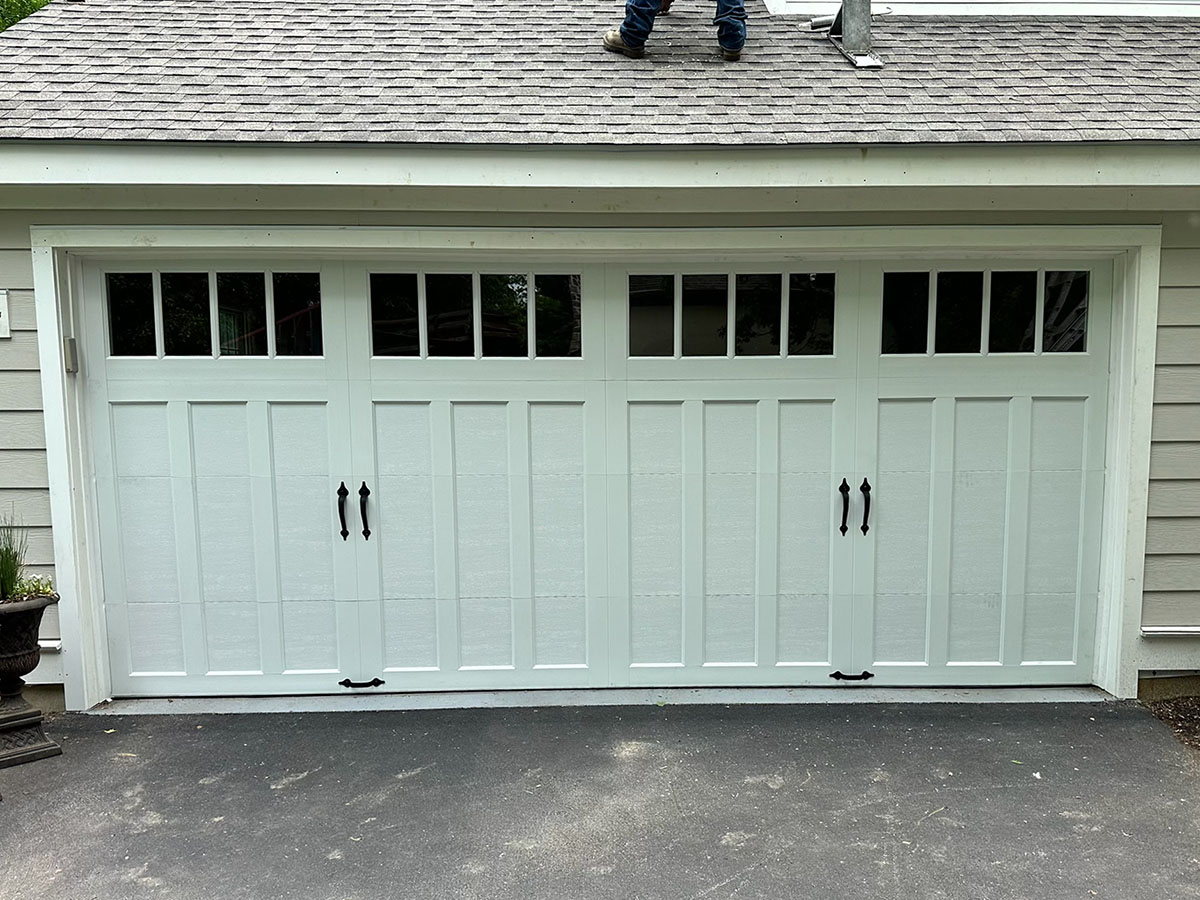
{"points": [[411, 71]]}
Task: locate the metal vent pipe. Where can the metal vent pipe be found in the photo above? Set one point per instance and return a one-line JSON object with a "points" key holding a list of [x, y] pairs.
{"points": [[856, 26]]}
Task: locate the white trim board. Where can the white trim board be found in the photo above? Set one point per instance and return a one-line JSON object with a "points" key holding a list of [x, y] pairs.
{"points": [[1135, 250], [595, 697], [1073, 165]]}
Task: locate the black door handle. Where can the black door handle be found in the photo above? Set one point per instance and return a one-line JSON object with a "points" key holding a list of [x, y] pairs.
{"points": [[342, 493], [374, 682], [363, 493], [838, 676], [865, 487], [845, 489]]}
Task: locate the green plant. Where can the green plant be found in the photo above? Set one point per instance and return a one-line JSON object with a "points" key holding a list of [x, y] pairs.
{"points": [[13, 11], [34, 586], [13, 544]]}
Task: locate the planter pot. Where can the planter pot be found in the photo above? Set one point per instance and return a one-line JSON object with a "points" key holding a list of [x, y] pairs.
{"points": [[21, 736]]}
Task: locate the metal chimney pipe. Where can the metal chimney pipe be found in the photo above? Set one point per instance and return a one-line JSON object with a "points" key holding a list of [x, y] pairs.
{"points": [[856, 26]]}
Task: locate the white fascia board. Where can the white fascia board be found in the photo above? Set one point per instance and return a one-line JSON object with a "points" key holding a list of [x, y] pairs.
{"points": [[867, 166], [1015, 8]]}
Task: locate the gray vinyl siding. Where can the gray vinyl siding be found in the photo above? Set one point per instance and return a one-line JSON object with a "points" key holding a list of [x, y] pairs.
{"points": [[1172, 585], [24, 484]]}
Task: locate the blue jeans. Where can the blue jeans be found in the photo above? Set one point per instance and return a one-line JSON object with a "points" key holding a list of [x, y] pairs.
{"points": [[730, 21]]}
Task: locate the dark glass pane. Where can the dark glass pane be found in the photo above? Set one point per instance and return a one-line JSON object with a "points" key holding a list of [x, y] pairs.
{"points": [[242, 313], [558, 324], [905, 312], [705, 315], [504, 315], [297, 313], [185, 314], [449, 316], [959, 312], [810, 314], [395, 329], [131, 313], [651, 315], [1012, 323], [1064, 328], [759, 309]]}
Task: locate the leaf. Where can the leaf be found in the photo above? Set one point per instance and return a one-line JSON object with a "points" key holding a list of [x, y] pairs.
{"points": [[110, 731], [1016, 762]]}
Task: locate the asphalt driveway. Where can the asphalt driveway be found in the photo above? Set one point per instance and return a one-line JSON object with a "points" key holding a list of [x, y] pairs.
{"points": [[680, 803]]}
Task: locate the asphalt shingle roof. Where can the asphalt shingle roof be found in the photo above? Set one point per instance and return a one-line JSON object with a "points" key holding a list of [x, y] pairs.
{"points": [[498, 72]]}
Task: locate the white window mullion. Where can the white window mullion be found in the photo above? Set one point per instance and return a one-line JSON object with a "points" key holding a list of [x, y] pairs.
{"points": [[678, 321], [985, 327], [270, 295], [160, 341], [530, 314], [785, 312], [730, 313], [477, 314], [1040, 312], [930, 326], [214, 329], [422, 317]]}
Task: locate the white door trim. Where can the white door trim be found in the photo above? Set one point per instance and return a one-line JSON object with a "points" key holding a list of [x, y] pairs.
{"points": [[1136, 250]]}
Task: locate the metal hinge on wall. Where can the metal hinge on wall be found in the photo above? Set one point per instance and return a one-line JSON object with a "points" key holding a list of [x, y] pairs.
{"points": [[70, 356]]}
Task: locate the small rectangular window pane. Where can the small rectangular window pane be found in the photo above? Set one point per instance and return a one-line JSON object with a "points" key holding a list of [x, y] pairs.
{"points": [[959, 312], [651, 315], [449, 315], [705, 315], [810, 314], [1012, 323], [1064, 328], [131, 313], [242, 313], [395, 329], [905, 312], [504, 315], [759, 309], [186, 328], [297, 298], [558, 326]]}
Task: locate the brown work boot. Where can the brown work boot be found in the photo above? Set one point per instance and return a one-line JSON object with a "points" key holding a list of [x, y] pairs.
{"points": [[730, 55], [664, 8], [614, 42]]}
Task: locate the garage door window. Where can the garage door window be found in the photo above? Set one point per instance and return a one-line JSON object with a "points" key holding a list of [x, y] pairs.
{"points": [[214, 313], [984, 312], [482, 315], [731, 315]]}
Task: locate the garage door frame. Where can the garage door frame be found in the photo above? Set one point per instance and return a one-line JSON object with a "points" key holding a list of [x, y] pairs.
{"points": [[59, 251]]}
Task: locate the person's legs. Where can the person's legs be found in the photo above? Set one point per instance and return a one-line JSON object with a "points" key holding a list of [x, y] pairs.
{"points": [[731, 24], [639, 20]]}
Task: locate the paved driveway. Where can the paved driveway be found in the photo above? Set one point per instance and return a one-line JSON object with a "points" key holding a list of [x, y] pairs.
{"points": [[681, 803]]}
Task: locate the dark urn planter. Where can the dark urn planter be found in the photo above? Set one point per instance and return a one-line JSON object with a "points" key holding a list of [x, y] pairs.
{"points": [[22, 739]]}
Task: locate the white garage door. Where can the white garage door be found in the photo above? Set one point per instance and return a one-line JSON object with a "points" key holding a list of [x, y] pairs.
{"points": [[311, 478]]}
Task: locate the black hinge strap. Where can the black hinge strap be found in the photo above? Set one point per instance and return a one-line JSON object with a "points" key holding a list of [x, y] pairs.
{"points": [[838, 676], [374, 682]]}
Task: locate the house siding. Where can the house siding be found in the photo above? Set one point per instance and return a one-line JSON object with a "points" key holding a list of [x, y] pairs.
{"points": [[24, 482], [1172, 577]]}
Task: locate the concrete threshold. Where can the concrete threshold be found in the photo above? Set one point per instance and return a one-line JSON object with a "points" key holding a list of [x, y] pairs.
{"points": [[596, 697]]}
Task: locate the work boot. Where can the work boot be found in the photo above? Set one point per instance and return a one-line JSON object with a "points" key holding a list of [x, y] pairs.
{"points": [[664, 8], [730, 55], [614, 42]]}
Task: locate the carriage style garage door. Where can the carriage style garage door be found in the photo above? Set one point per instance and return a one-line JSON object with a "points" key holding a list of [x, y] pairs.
{"points": [[311, 477]]}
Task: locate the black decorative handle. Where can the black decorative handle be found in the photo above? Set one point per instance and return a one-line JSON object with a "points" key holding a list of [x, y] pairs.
{"points": [[838, 676], [865, 487], [363, 493], [845, 489], [374, 682], [342, 493]]}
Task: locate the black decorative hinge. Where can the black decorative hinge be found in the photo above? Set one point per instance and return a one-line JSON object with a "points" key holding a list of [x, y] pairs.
{"points": [[838, 676], [374, 682]]}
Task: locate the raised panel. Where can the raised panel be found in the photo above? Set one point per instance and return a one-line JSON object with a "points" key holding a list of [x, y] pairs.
{"points": [[155, 638], [901, 525], [309, 636], [220, 439], [225, 530], [977, 532], [146, 522], [485, 632], [304, 505], [231, 637], [141, 442], [410, 633]]}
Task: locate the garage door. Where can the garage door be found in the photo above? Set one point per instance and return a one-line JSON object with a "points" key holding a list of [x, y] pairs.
{"points": [[312, 478]]}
